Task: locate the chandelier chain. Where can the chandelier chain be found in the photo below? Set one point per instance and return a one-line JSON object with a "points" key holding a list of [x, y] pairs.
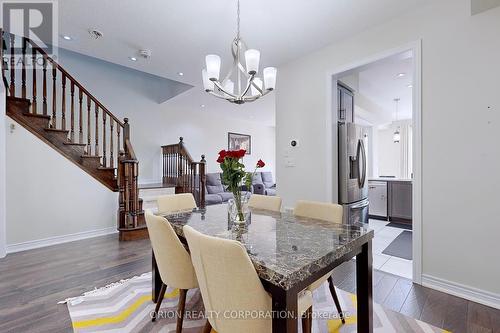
{"points": [[238, 21]]}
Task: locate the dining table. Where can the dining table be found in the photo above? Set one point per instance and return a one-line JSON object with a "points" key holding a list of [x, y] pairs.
{"points": [[289, 253]]}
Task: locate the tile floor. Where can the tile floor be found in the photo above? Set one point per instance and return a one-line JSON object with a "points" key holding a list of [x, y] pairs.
{"points": [[384, 235]]}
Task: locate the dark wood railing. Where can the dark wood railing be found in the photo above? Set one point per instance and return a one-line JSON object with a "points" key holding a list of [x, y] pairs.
{"points": [[54, 92], [181, 170]]}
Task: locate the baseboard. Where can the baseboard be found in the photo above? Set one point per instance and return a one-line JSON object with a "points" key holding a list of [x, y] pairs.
{"points": [[35, 244], [460, 290]]}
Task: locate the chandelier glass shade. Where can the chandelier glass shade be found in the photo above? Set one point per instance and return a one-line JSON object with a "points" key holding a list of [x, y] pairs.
{"points": [[247, 86]]}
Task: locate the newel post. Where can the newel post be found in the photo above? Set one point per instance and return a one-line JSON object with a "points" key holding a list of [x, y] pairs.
{"points": [[126, 133], [203, 180]]}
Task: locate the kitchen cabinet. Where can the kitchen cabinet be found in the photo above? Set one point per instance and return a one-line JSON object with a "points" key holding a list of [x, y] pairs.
{"points": [[345, 97], [400, 203], [377, 194]]}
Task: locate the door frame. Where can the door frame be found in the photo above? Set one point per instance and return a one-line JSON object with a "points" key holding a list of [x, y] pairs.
{"points": [[332, 153]]}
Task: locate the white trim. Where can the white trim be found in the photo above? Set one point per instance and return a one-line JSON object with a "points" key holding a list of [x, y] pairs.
{"points": [[331, 96], [35, 244], [461, 290]]}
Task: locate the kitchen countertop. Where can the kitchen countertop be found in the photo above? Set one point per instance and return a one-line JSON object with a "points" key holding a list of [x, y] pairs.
{"points": [[383, 179]]}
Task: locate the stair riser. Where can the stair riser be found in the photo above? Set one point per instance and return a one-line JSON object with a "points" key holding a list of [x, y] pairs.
{"points": [[38, 122], [90, 162]]}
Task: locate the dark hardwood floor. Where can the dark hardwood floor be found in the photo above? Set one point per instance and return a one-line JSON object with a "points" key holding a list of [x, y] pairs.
{"points": [[32, 282]]}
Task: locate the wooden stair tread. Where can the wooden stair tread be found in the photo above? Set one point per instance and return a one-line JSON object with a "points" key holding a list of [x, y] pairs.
{"points": [[29, 114], [50, 129], [91, 156], [106, 168], [69, 143]]}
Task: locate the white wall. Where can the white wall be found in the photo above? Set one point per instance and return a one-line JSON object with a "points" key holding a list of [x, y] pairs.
{"points": [[48, 196], [2, 173], [126, 93], [460, 133]]}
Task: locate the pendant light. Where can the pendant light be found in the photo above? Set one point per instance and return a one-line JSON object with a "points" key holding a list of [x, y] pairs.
{"points": [[397, 135], [245, 86]]}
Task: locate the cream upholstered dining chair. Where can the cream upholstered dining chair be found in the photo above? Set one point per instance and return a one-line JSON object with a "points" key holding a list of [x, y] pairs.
{"points": [[327, 212], [228, 281], [175, 202], [266, 202], [173, 261]]}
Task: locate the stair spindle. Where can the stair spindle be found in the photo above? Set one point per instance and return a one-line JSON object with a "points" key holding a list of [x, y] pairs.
{"points": [[118, 129], [89, 146], [104, 139], [33, 106], [23, 69], [12, 66], [72, 117], [54, 93], [44, 86], [96, 152], [80, 122], [63, 102], [111, 154]]}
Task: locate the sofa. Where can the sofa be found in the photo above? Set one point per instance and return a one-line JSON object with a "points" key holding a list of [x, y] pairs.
{"points": [[262, 183], [216, 192]]}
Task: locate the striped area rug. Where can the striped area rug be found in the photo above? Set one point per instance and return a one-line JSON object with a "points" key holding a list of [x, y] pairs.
{"points": [[126, 306]]}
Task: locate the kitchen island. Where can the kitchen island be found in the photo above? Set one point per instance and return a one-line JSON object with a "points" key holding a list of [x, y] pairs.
{"points": [[391, 199]]}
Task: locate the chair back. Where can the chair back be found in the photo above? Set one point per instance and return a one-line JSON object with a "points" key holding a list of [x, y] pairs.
{"points": [[228, 282], [172, 259], [266, 202], [175, 202], [319, 210]]}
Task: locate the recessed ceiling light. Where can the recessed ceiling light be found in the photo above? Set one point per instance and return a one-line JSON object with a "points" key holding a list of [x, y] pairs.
{"points": [[202, 105], [66, 37], [180, 73], [133, 58], [410, 86], [401, 74]]}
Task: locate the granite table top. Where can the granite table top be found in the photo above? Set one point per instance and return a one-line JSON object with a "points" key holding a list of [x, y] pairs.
{"points": [[284, 249]]}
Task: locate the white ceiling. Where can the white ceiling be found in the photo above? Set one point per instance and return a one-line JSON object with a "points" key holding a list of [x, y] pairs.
{"points": [[377, 85], [181, 33], [381, 84]]}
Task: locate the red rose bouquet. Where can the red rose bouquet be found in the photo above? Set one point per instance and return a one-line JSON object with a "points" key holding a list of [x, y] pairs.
{"points": [[234, 175]]}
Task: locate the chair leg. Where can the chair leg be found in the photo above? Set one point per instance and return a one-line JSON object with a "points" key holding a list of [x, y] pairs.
{"points": [[180, 309], [163, 289], [207, 328], [307, 321], [336, 299]]}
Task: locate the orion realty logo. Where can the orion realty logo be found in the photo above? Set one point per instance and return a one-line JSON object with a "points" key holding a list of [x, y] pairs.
{"points": [[34, 20]]}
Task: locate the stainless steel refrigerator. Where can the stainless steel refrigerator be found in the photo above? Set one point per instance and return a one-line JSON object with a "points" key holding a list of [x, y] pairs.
{"points": [[353, 183]]}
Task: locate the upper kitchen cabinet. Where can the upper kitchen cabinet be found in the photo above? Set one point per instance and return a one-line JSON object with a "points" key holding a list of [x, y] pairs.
{"points": [[345, 97]]}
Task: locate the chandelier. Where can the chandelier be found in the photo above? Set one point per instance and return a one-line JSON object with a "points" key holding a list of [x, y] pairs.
{"points": [[249, 87]]}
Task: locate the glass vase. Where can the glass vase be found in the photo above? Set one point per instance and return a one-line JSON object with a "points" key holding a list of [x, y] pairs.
{"points": [[238, 210]]}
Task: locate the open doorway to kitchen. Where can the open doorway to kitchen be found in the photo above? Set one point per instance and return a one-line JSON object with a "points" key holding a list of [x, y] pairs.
{"points": [[378, 134]]}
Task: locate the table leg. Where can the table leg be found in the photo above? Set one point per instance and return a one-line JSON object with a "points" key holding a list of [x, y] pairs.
{"points": [[285, 311], [157, 282], [364, 288]]}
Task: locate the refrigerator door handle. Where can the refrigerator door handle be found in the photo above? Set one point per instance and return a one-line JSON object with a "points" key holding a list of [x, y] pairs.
{"points": [[361, 151], [363, 180]]}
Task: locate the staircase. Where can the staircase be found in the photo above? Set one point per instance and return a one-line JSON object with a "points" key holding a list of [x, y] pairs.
{"points": [[183, 172], [45, 99]]}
